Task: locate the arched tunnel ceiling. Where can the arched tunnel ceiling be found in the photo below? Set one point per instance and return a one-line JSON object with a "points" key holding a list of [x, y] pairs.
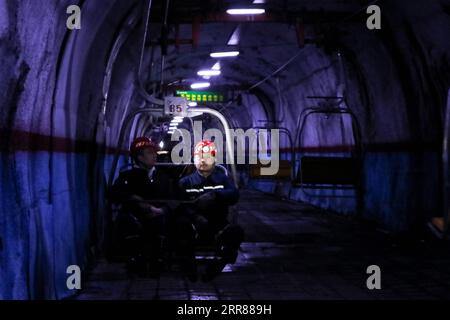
{"points": [[267, 44], [260, 54], [182, 10], [263, 44]]}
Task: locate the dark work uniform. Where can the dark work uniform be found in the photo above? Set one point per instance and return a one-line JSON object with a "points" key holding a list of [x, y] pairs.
{"points": [[143, 234], [210, 220]]}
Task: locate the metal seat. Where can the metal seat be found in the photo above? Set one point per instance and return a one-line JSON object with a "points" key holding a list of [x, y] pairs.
{"points": [[328, 172]]}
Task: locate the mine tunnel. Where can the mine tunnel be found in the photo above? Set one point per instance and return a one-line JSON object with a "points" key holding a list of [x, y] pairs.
{"points": [[349, 103]]}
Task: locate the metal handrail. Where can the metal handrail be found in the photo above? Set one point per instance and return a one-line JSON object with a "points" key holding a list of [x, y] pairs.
{"points": [[356, 130], [121, 38], [141, 88], [229, 145], [159, 112], [291, 144], [445, 168], [321, 110]]}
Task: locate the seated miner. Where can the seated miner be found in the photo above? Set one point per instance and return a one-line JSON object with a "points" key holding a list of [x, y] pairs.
{"points": [[212, 192], [141, 222]]}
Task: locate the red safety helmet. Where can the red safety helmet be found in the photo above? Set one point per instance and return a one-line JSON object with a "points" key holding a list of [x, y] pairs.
{"points": [[141, 143], [205, 147]]}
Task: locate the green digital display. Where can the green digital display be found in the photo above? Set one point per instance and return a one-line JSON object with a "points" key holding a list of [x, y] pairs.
{"points": [[201, 96]]}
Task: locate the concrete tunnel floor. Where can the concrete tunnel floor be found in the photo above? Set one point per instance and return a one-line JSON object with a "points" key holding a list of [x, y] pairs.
{"points": [[294, 251]]}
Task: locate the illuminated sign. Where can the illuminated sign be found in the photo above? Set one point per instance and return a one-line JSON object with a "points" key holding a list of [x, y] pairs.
{"points": [[202, 96]]}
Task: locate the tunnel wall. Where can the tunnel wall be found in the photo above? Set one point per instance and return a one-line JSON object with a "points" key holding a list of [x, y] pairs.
{"points": [[395, 80], [53, 157], [27, 215]]}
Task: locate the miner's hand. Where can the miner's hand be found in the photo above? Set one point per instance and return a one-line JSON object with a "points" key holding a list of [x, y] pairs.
{"points": [[155, 212], [206, 201]]}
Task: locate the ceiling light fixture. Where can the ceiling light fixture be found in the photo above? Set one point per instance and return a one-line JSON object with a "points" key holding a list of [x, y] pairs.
{"points": [[235, 37], [224, 54], [208, 73], [200, 85], [246, 11], [216, 66]]}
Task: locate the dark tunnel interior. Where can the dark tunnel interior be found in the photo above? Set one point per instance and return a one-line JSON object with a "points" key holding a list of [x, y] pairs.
{"points": [[358, 118]]}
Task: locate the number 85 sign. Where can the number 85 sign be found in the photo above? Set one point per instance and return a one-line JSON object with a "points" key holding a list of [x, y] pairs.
{"points": [[175, 106]]}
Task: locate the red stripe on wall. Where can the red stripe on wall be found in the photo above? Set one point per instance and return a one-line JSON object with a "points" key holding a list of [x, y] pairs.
{"points": [[16, 140], [373, 147]]}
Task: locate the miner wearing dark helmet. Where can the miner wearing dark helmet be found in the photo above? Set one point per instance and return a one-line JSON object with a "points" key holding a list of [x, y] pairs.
{"points": [[142, 223]]}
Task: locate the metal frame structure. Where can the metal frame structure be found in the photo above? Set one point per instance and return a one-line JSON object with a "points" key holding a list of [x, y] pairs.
{"points": [[159, 112], [291, 144], [356, 136], [445, 168]]}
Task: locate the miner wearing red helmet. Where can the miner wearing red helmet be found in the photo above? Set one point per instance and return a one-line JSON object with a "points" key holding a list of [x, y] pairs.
{"points": [[212, 192], [134, 191], [143, 151], [205, 157]]}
